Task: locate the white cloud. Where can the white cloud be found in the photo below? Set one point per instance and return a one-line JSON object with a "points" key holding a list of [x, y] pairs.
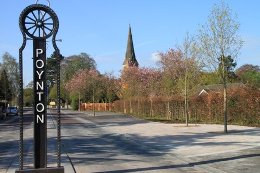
{"points": [[156, 57]]}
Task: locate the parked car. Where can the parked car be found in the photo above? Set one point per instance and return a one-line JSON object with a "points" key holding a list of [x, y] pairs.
{"points": [[12, 110]]}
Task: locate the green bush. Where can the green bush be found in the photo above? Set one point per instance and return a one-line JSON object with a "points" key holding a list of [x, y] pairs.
{"points": [[75, 104]]}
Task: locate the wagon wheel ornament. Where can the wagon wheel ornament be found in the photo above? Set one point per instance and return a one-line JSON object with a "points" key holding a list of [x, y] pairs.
{"points": [[38, 21]]}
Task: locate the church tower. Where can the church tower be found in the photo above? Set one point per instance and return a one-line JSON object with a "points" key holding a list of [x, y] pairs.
{"points": [[130, 59]]}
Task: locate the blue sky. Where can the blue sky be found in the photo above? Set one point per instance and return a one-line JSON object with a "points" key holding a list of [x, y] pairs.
{"points": [[100, 28]]}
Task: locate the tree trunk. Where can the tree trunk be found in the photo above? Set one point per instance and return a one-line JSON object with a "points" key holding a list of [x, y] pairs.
{"points": [[225, 106], [138, 106], [185, 94], [124, 108], [168, 110], [151, 109], [79, 102], [224, 77], [186, 102], [130, 104], [94, 112]]}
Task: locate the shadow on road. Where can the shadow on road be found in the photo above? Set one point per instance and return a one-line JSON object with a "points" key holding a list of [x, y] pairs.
{"points": [[110, 148], [181, 165], [88, 144]]}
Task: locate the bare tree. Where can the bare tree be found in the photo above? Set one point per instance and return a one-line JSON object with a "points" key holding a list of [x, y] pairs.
{"points": [[219, 40], [192, 67]]}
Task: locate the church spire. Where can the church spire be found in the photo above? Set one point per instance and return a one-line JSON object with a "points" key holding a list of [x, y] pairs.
{"points": [[130, 59]]}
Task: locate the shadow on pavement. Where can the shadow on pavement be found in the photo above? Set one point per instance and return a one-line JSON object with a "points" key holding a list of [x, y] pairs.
{"points": [[88, 149], [181, 165]]}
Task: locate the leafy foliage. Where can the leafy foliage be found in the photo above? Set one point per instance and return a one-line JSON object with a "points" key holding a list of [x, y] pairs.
{"points": [[219, 36], [175, 68], [92, 86], [28, 96], [250, 75], [209, 78], [74, 63], [51, 70], [138, 82], [53, 93], [5, 87], [10, 66], [247, 67], [220, 42], [229, 64]]}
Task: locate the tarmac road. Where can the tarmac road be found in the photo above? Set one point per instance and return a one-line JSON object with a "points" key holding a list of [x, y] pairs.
{"points": [[9, 131], [93, 149], [117, 143]]}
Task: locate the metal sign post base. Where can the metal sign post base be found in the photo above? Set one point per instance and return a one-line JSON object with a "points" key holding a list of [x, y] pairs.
{"points": [[42, 170]]}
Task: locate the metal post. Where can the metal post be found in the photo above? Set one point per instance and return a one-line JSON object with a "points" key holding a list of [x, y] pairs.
{"points": [[21, 147], [39, 22], [40, 106], [58, 58]]}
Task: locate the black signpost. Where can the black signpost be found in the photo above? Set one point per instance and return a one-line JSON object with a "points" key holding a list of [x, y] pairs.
{"points": [[39, 22], [39, 83]]}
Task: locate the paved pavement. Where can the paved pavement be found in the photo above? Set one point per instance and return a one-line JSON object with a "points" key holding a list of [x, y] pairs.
{"points": [[112, 142]]}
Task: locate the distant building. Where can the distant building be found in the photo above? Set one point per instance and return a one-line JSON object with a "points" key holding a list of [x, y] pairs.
{"points": [[130, 59], [217, 88]]}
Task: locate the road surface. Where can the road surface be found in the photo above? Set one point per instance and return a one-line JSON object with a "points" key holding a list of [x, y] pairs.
{"points": [[117, 143]]}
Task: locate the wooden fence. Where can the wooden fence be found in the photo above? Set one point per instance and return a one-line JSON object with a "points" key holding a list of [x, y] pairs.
{"points": [[97, 106]]}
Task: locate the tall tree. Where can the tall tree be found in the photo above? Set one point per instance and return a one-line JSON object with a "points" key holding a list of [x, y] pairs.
{"points": [[179, 65], [11, 68], [1, 85], [6, 93], [51, 70], [192, 68], [88, 84], [247, 67], [172, 66], [53, 93], [249, 74], [129, 83], [220, 39], [181, 69], [111, 88], [138, 82], [74, 63], [209, 78], [230, 65], [141, 82], [28, 94]]}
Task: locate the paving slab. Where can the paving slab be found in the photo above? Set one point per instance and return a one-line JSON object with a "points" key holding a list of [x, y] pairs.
{"points": [[110, 142], [203, 145]]}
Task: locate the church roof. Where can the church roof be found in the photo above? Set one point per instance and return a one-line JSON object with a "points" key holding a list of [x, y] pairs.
{"points": [[130, 59]]}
